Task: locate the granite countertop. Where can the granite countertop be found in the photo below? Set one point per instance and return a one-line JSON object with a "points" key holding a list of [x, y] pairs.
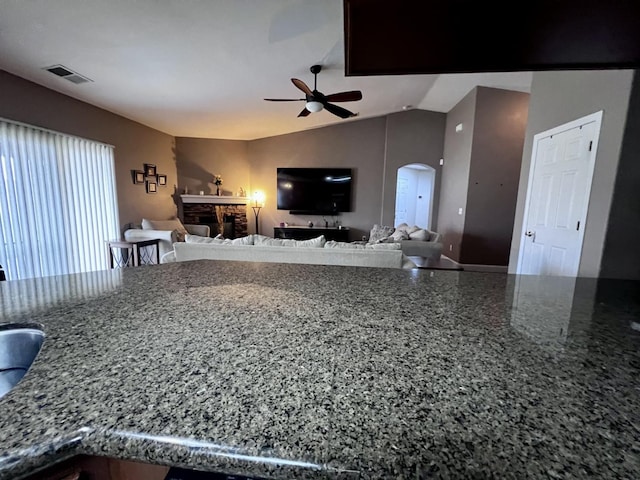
{"points": [[308, 371]]}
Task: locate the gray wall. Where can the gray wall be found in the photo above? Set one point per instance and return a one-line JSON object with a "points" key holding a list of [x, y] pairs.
{"points": [[455, 174], [416, 136], [135, 144], [199, 159], [621, 256], [356, 144], [498, 139], [558, 98]]}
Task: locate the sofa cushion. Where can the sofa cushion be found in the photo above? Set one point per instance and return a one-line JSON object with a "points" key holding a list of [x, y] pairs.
{"points": [[383, 246], [344, 245], [403, 226], [380, 233], [174, 225], [421, 235]]}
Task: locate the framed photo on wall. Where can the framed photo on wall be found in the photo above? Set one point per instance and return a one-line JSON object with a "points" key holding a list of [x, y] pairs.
{"points": [[149, 170], [151, 187], [138, 176], [162, 180]]}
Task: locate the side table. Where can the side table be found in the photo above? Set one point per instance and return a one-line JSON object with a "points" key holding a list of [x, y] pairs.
{"points": [[134, 256]]}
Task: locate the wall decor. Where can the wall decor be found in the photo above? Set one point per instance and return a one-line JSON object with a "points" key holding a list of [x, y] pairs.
{"points": [[138, 176], [151, 187], [149, 170], [162, 180]]}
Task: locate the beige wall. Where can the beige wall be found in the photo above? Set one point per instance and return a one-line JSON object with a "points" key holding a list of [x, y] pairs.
{"points": [[135, 144], [492, 191], [481, 174], [455, 174], [199, 159], [416, 136], [558, 98], [621, 255], [359, 145]]}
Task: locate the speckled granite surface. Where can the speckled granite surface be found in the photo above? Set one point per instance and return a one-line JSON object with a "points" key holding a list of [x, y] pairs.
{"points": [[305, 371]]}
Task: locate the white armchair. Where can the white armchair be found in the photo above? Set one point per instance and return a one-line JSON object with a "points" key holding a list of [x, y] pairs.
{"points": [[167, 237]]}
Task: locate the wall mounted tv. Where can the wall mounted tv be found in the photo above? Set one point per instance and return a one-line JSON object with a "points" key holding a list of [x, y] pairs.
{"points": [[319, 191]]}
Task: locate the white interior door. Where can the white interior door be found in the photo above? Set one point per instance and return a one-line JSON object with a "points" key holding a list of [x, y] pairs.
{"points": [[402, 200], [557, 200]]}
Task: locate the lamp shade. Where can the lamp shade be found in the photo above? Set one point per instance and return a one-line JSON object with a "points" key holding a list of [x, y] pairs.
{"points": [[314, 106]]}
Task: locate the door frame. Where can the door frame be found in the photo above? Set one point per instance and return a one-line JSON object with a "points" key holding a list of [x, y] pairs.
{"points": [[419, 167], [594, 117]]}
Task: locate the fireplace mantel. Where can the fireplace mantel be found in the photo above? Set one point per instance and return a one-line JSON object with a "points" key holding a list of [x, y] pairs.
{"points": [[215, 199]]}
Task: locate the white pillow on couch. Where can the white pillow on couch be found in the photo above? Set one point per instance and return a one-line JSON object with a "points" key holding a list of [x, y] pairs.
{"points": [[399, 235], [379, 233], [317, 242], [173, 225]]}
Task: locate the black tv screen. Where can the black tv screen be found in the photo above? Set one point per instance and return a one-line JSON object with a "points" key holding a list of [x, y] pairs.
{"points": [[321, 191]]}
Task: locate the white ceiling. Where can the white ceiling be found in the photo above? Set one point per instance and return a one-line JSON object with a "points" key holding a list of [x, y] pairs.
{"points": [[201, 68]]}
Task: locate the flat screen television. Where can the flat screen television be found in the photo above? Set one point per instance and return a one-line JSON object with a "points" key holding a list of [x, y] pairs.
{"points": [[319, 191]]}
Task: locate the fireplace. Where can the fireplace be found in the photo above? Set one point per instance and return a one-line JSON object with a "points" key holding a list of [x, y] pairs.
{"points": [[226, 215]]}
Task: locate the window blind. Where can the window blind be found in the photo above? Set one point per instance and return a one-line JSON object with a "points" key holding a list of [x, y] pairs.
{"points": [[58, 202]]}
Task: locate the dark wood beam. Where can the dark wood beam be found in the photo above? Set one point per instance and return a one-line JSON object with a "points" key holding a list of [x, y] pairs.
{"points": [[391, 37]]}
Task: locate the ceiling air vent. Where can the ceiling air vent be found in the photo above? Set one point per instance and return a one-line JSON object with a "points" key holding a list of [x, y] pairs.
{"points": [[64, 72]]}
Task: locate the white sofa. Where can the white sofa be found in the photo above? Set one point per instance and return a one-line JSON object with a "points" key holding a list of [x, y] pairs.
{"points": [[287, 251], [415, 241]]}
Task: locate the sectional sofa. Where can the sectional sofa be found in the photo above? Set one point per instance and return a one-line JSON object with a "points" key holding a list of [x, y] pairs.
{"points": [[258, 248]]}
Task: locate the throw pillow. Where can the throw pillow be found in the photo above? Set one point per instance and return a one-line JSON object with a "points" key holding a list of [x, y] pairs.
{"points": [[261, 239], [399, 235], [402, 226], [421, 235], [379, 232], [172, 225], [317, 242], [410, 230], [248, 240], [198, 239]]}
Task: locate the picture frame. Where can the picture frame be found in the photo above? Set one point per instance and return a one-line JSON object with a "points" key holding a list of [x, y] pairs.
{"points": [[138, 176], [162, 180], [149, 170], [152, 187]]}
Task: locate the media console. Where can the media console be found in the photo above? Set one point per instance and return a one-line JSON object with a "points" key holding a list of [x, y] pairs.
{"points": [[305, 233]]}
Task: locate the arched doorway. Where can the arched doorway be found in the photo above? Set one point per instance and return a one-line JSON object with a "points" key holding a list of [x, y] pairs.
{"points": [[414, 195]]}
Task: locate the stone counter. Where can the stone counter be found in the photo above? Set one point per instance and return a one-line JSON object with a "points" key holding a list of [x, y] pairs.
{"points": [[306, 371]]}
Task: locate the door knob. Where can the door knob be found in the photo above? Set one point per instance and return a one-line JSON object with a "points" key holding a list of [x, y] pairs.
{"points": [[529, 234]]}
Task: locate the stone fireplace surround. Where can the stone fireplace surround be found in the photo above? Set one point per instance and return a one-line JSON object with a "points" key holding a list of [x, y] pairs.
{"points": [[207, 209]]}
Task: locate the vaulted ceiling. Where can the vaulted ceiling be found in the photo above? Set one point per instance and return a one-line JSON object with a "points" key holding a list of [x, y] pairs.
{"points": [[202, 68]]}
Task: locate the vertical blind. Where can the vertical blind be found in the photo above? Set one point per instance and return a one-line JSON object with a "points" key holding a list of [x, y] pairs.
{"points": [[58, 202]]}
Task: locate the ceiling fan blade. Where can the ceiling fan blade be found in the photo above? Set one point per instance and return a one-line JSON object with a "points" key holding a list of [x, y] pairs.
{"points": [[285, 99], [304, 113], [339, 111], [352, 96], [302, 86]]}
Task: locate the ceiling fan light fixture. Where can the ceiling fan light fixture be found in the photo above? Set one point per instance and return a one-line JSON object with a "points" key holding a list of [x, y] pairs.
{"points": [[314, 106]]}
